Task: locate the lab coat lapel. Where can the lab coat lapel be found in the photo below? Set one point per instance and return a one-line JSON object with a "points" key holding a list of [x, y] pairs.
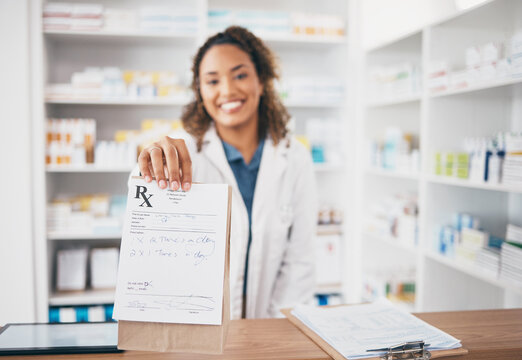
{"points": [[215, 154], [274, 162], [214, 151]]}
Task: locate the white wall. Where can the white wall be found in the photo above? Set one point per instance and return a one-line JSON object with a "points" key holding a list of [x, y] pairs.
{"points": [[384, 20], [17, 295]]}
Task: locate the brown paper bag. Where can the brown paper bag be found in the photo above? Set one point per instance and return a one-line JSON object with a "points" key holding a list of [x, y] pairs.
{"points": [[168, 337]]}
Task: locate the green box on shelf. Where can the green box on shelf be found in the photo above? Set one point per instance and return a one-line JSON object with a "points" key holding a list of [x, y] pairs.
{"points": [[463, 159], [462, 172], [462, 165]]}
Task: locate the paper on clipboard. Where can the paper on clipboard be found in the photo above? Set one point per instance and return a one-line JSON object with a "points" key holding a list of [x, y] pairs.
{"points": [[346, 332], [172, 288]]}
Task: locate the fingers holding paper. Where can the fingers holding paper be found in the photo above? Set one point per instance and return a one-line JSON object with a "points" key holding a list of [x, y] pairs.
{"points": [[168, 160]]}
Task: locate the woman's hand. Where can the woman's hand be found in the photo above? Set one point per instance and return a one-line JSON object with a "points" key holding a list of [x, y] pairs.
{"points": [[165, 158]]}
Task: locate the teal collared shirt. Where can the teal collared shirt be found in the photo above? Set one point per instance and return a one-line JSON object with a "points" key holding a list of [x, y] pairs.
{"points": [[245, 174], [246, 178]]}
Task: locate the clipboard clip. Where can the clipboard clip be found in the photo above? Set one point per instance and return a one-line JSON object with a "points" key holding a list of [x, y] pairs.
{"points": [[406, 350]]}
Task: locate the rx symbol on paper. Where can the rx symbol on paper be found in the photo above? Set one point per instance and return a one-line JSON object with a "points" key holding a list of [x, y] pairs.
{"points": [[141, 192]]}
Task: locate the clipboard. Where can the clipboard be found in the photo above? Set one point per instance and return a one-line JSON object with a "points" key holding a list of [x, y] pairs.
{"points": [[189, 338], [338, 356]]}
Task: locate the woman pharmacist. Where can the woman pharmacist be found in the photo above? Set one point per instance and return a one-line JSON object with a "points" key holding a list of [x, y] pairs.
{"points": [[236, 134]]}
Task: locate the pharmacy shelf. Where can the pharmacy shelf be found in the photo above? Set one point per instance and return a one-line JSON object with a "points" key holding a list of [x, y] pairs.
{"points": [[466, 9], [392, 174], [311, 104], [447, 180], [299, 39], [58, 53], [304, 39], [88, 168], [126, 169], [176, 102], [72, 236], [139, 102], [88, 297], [478, 110], [303, 42], [329, 229], [321, 230], [478, 87], [474, 271], [118, 35], [390, 240], [396, 101]]}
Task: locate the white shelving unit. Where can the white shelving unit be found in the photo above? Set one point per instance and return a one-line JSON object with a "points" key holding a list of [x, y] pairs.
{"points": [[132, 102], [173, 103], [395, 101], [60, 53], [91, 297], [88, 169], [114, 35], [392, 174], [474, 185], [441, 121], [80, 236], [304, 39], [498, 83]]}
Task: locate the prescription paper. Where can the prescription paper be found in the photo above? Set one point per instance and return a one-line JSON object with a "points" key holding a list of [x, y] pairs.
{"points": [[172, 256], [352, 330]]}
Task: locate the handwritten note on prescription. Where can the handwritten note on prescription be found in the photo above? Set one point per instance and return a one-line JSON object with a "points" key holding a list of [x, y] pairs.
{"points": [[172, 254]]}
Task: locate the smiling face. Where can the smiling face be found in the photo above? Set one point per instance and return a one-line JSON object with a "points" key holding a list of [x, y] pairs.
{"points": [[230, 87]]}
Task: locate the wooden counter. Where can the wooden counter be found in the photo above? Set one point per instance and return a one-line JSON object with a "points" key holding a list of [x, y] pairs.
{"points": [[488, 334]]}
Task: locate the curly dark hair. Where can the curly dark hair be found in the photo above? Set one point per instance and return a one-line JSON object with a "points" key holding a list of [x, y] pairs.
{"points": [[273, 116]]}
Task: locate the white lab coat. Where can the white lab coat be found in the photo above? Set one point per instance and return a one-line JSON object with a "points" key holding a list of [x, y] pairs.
{"points": [[284, 217]]}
